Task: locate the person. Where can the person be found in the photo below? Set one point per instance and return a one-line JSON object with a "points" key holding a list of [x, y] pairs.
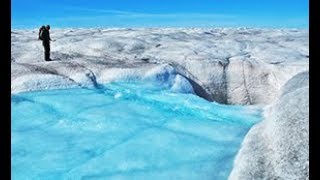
{"points": [[44, 35]]}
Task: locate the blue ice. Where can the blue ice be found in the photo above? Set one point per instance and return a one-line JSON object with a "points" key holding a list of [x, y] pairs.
{"points": [[122, 130]]}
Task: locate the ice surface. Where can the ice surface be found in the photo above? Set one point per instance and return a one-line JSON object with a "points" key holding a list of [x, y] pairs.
{"points": [[147, 129], [278, 146], [226, 65]]}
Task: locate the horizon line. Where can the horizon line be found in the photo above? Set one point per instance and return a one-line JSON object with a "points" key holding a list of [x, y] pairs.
{"points": [[167, 27]]}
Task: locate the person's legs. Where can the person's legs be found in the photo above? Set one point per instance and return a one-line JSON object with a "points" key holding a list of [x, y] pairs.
{"points": [[46, 46], [48, 52]]}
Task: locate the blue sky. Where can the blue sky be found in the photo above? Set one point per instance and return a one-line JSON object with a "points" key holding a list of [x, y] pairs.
{"points": [[160, 13]]}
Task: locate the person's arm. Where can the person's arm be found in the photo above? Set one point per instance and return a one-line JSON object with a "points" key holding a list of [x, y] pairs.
{"points": [[39, 33]]}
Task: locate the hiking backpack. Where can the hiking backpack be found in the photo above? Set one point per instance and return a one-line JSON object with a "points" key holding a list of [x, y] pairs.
{"points": [[40, 33]]}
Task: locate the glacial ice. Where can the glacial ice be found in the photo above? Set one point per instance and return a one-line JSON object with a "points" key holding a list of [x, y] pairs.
{"points": [[278, 146], [231, 65], [243, 66], [126, 130]]}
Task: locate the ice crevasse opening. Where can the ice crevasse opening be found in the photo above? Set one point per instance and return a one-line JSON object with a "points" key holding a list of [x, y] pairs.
{"points": [[151, 126]]}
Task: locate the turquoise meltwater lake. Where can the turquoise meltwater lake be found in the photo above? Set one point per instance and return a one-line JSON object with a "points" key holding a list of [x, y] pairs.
{"points": [[125, 130]]}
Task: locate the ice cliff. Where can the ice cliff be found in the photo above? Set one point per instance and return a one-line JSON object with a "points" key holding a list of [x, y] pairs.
{"points": [[278, 147]]}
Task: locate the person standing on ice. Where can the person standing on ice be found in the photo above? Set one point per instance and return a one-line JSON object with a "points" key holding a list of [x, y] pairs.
{"points": [[44, 35]]}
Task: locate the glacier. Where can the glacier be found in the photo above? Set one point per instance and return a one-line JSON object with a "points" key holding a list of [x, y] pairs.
{"points": [[226, 65], [231, 70]]}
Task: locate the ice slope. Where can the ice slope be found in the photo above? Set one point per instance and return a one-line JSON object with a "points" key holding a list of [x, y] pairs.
{"points": [[146, 129], [278, 147], [227, 65]]}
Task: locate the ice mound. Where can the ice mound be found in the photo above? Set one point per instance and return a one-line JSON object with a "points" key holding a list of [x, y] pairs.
{"points": [[41, 82], [278, 147], [168, 76], [163, 75]]}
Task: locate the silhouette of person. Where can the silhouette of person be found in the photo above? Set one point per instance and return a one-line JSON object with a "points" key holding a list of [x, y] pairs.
{"points": [[44, 35]]}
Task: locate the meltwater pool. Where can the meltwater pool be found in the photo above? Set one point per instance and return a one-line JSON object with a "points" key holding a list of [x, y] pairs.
{"points": [[123, 130]]}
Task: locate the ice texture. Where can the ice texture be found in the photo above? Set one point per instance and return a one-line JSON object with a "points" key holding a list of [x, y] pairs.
{"points": [[147, 129], [226, 65], [243, 66], [278, 146]]}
